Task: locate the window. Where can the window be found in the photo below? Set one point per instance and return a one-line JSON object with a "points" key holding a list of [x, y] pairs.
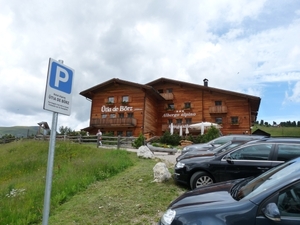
{"points": [[188, 120], [288, 201], [171, 106], [253, 152], [160, 91], [169, 90], [121, 115], [125, 98], [179, 121], [112, 115], [234, 120], [111, 99], [130, 115], [219, 120], [128, 133], [218, 103], [119, 133], [103, 116], [187, 105], [170, 121], [287, 152]]}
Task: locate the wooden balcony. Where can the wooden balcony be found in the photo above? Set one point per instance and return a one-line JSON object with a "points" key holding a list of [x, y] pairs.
{"points": [[113, 122], [218, 109], [167, 96]]}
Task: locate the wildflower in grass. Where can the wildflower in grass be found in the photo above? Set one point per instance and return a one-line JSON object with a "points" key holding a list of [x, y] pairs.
{"points": [[15, 192]]}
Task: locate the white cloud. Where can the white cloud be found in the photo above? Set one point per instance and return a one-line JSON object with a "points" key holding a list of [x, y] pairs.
{"points": [[237, 45]]}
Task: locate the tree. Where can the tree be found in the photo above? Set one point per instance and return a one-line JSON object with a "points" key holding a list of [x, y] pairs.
{"points": [[261, 122], [65, 130]]}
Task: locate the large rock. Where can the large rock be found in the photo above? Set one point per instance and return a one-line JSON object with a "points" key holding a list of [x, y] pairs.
{"points": [[161, 172], [144, 152]]}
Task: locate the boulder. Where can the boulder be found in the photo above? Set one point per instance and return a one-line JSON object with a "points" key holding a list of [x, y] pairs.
{"points": [[161, 172], [144, 152]]}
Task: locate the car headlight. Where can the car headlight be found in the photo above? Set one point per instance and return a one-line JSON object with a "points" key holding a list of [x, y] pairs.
{"points": [[168, 217], [185, 148], [179, 165]]}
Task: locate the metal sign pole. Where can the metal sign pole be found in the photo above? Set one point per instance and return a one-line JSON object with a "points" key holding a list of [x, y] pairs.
{"points": [[50, 169], [58, 100]]}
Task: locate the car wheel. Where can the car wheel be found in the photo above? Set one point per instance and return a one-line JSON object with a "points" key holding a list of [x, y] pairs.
{"points": [[200, 179]]}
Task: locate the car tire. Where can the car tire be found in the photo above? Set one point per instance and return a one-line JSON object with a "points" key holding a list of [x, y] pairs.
{"points": [[200, 179]]}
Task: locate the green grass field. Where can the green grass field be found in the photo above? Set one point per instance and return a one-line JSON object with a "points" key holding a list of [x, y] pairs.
{"points": [[89, 186], [279, 131]]}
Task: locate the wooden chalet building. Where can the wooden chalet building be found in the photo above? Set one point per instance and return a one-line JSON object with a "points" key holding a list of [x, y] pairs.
{"points": [[129, 109]]}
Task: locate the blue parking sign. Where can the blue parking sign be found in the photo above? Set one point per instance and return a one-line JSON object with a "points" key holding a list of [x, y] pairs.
{"points": [[58, 92], [61, 77]]}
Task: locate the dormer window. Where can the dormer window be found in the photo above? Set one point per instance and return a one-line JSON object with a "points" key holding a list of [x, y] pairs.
{"points": [[171, 106], [111, 99], [125, 98]]}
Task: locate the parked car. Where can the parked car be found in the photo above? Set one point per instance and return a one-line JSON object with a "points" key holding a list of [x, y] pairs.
{"points": [[211, 151], [220, 141], [271, 198], [250, 159]]}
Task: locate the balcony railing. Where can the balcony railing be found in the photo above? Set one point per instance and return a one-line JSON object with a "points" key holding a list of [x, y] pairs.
{"points": [[114, 122], [167, 96], [218, 109]]}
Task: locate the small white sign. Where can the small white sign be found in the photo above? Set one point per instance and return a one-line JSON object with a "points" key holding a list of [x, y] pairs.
{"points": [[58, 93]]}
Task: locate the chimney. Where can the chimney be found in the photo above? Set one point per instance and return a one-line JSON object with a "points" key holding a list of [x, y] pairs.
{"points": [[205, 82]]}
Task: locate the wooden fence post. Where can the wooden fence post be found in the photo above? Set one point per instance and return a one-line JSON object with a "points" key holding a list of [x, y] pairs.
{"points": [[119, 142]]}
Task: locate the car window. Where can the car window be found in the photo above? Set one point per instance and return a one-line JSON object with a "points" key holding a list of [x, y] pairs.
{"points": [[289, 201], [253, 152], [287, 152], [222, 140]]}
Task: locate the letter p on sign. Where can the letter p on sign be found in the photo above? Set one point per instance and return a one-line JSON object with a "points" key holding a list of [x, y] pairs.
{"points": [[61, 78]]}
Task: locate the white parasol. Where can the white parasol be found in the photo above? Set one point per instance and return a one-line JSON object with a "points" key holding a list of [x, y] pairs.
{"points": [[187, 130], [198, 126], [180, 131], [171, 128]]}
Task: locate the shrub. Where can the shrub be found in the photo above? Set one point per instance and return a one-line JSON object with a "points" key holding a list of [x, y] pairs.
{"points": [[170, 139], [139, 141], [211, 134]]}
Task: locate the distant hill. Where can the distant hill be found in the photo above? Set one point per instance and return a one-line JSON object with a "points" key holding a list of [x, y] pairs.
{"points": [[19, 131], [279, 131]]}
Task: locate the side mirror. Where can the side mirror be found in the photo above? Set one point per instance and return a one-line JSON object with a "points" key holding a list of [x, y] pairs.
{"points": [[272, 212], [228, 158]]}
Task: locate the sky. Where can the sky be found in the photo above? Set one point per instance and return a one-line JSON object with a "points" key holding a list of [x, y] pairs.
{"points": [[246, 46]]}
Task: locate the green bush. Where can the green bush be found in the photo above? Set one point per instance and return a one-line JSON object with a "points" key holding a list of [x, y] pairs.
{"points": [[211, 134], [139, 141], [170, 139]]}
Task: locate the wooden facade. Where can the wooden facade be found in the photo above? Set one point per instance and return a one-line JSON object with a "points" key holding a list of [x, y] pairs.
{"points": [[129, 109]]}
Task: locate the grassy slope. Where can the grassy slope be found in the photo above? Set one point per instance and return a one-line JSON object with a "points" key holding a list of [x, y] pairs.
{"points": [[279, 131], [130, 197]]}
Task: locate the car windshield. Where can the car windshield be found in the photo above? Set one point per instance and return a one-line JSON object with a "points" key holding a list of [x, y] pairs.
{"points": [[271, 178], [225, 147]]}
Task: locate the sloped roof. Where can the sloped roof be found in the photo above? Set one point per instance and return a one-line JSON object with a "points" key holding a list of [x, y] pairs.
{"points": [[91, 91], [254, 100]]}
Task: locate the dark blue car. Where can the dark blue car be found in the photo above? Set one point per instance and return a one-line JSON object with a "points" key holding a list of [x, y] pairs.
{"points": [[271, 198]]}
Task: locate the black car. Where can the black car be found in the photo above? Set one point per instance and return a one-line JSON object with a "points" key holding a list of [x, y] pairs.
{"points": [[212, 151], [250, 159], [271, 198], [220, 141]]}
